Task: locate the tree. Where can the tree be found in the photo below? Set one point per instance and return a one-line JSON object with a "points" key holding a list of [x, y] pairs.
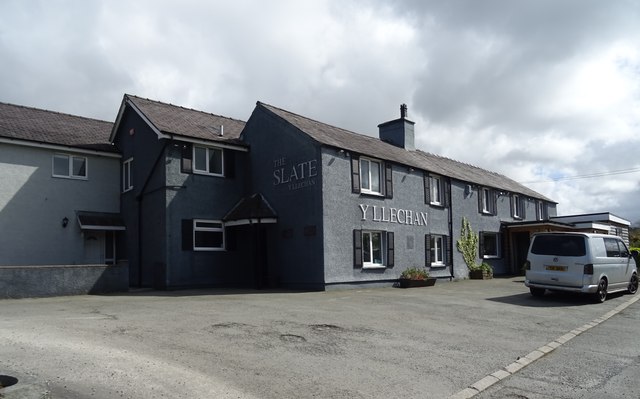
{"points": [[634, 237]]}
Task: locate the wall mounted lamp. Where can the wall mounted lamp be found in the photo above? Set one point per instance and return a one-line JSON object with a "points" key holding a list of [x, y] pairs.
{"points": [[65, 222]]}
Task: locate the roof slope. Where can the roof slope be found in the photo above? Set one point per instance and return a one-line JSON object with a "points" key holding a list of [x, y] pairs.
{"points": [[49, 127], [374, 147], [186, 122]]}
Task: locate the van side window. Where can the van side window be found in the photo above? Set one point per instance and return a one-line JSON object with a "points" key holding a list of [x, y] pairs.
{"points": [[611, 245], [597, 248]]}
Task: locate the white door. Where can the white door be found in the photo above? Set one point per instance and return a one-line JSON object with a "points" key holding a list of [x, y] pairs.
{"points": [[93, 247]]}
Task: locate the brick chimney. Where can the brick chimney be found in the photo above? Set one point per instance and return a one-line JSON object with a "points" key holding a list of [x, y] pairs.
{"points": [[399, 132]]}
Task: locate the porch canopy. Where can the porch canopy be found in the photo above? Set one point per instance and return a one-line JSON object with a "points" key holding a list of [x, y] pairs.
{"points": [[100, 221], [254, 209]]}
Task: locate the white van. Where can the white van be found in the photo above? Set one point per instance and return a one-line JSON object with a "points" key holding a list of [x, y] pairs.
{"points": [[594, 264]]}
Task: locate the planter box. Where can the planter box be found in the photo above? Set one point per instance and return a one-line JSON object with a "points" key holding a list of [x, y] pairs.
{"points": [[480, 275], [406, 283]]}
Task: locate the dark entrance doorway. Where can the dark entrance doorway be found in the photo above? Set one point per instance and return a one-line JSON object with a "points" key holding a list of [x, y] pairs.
{"points": [[520, 249]]}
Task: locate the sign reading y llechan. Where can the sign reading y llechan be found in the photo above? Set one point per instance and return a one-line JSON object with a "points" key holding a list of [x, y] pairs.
{"points": [[393, 215], [294, 176]]}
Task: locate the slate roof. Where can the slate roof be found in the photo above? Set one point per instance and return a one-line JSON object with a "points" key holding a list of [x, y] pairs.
{"points": [[49, 127], [376, 148], [189, 123]]}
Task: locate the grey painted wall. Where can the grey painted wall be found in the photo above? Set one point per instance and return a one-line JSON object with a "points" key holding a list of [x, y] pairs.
{"points": [[33, 204], [465, 204], [196, 196], [297, 245], [342, 215]]}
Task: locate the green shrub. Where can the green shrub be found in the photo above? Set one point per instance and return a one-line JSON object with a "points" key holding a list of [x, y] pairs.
{"points": [[414, 273]]}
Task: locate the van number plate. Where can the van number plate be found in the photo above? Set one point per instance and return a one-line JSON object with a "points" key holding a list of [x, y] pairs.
{"points": [[556, 268]]}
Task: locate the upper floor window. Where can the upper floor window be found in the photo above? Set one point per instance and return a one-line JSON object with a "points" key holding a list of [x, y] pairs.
{"points": [[435, 185], [69, 166], [371, 176], [127, 178], [487, 201], [541, 210], [517, 207], [208, 160]]}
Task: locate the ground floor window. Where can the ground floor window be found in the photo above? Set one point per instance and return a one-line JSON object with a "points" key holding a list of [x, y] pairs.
{"points": [[208, 235], [436, 250], [373, 248], [489, 245], [202, 235]]}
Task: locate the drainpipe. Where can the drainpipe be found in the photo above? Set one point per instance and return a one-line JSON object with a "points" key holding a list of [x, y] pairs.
{"points": [[450, 231]]}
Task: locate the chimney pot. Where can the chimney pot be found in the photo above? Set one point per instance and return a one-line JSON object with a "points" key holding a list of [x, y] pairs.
{"points": [[403, 111]]}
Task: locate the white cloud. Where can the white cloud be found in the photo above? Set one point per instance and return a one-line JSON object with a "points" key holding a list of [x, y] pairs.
{"points": [[535, 90]]}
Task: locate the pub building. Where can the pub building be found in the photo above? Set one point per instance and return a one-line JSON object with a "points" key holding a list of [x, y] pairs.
{"points": [[287, 201], [170, 197]]}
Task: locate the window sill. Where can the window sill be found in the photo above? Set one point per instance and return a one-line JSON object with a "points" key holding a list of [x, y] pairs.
{"points": [[208, 249], [70, 177], [203, 173], [371, 193], [374, 267]]}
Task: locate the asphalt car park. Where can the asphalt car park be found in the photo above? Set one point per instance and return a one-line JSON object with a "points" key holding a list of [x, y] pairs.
{"points": [[434, 342]]}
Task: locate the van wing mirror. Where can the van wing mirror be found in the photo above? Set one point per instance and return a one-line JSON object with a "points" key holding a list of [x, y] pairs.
{"points": [[635, 254]]}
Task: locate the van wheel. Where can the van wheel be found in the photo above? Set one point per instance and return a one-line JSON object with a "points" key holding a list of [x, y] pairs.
{"points": [[633, 284], [601, 294], [535, 291]]}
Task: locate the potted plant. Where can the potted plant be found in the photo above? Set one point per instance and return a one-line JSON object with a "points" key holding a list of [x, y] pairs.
{"points": [[416, 277], [484, 271]]}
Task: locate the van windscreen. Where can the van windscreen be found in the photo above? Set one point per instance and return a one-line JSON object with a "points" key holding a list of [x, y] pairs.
{"points": [[559, 245]]}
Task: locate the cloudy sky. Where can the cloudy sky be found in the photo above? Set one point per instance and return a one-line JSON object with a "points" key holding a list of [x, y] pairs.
{"points": [[546, 92]]}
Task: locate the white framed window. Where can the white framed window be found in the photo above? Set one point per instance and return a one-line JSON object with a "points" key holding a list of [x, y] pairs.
{"points": [[437, 250], [371, 176], [486, 200], [209, 161], [516, 206], [70, 166], [127, 177], [208, 235], [489, 245], [435, 186], [372, 248], [541, 210]]}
